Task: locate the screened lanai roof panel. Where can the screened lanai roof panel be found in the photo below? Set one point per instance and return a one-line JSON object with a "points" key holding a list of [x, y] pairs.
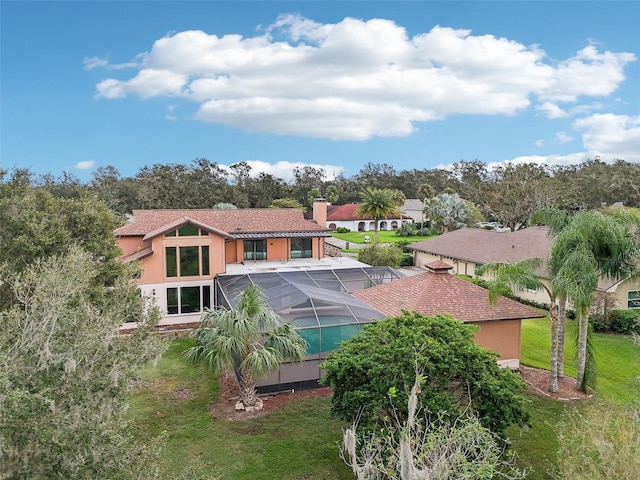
{"points": [[300, 278], [365, 315], [313, 298], [305, 322], [269, 283], [333, 285], [382, 274], [287, 299]]}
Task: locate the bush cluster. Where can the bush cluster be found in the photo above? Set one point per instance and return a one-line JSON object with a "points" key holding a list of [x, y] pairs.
{"points": [[621, 321], [412, 229], [342, 230], [379, 256]]}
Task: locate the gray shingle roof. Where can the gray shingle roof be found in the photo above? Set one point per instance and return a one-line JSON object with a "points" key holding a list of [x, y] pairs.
{"points": [[483, 246]]}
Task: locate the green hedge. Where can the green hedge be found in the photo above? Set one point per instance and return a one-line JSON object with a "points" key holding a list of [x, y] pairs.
{"points": [[620, 321]]}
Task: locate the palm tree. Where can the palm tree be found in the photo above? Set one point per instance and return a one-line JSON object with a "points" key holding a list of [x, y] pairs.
{"points": [[510, 277], [447, 211], [377, 204], [250, 338], [590, 247]]}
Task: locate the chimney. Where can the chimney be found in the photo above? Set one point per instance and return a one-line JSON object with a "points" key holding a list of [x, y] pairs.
{"points": [[320, 211], [438, 266]]}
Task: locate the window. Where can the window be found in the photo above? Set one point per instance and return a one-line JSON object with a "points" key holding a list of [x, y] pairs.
{"points": [[255, 249], [205, 260], [172, 301], [477, 267], [633, 299], [172, 261], [193, 261], [301, 248], [189, 262], [187, 230], [188, 299]]}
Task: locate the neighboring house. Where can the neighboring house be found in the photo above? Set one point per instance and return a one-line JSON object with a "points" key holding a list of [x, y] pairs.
{"points": [[336, 216], [413, 208], [183, 251], [467, 249], [437, 291]]}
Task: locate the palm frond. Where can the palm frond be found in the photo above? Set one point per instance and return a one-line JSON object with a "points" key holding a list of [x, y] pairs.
{"points": [[557, 220], [509, 277], [288, 342], [262, 361]]}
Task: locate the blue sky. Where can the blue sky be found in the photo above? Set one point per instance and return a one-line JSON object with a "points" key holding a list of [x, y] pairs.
{"points": [[332, 84]]}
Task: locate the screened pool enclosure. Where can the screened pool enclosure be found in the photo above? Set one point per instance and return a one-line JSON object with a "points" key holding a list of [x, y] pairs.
{"points": [[317, 302]]}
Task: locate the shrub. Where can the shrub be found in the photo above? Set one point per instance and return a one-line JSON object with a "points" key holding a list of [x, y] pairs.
{"points": [[403, 245], [625, 321], [407, 260], [379, 256], [457, 374], [342, 230], [406, 230], [599, 324], [424, 231]]}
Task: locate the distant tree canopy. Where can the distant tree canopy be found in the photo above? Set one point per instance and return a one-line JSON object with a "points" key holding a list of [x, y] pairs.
{"points": [[508, 193]]}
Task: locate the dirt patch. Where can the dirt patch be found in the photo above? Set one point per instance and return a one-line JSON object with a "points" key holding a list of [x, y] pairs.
{"points": [[184, 394], [536, 378], [538, 381], [225, 407]]}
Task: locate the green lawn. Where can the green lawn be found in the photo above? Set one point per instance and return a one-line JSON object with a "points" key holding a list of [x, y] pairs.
{"points": [[385, 236], [297, 441], [300, 441], [618, 360]]}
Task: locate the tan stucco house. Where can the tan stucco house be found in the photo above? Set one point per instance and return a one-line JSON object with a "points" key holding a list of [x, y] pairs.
{"points": [[467, 249]]}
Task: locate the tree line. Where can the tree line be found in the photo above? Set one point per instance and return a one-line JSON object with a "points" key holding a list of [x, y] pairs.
{"points": [[508, 193]]}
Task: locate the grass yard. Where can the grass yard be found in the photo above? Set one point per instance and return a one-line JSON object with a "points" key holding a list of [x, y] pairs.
{"points": [[618, 361], [297, 441], [300, 440], [385, 236]]}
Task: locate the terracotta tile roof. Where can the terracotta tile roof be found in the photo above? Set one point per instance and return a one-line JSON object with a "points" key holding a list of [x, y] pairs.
{"points": [[483, 246], [430, 293], [241, 221], [342, 213]]}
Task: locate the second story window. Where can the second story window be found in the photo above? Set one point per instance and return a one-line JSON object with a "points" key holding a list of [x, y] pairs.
{"points": [[301, 248], [188, 261], [255, 249], [187, 230]]}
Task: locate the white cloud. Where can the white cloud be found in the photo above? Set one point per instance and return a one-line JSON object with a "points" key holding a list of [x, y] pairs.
{"points": [[611, 136], [97, 62], [357, 79], [284, 169], [94, 62], [589, 73], [551, 110], [563, 137], [86, 165], [539, 143]]}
